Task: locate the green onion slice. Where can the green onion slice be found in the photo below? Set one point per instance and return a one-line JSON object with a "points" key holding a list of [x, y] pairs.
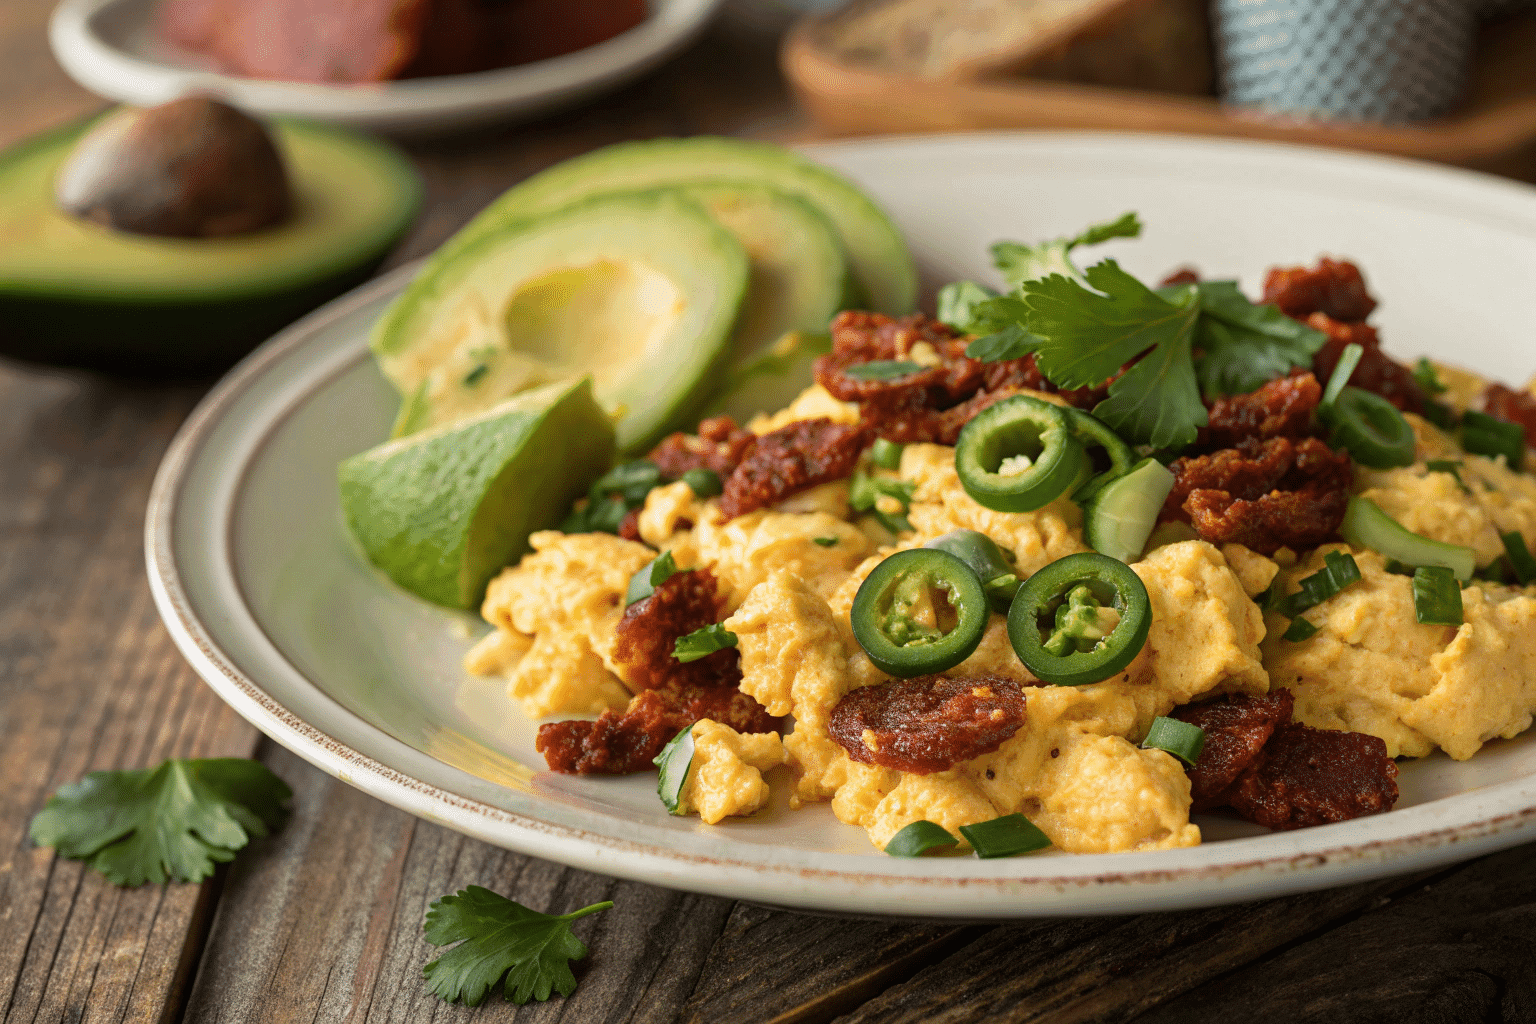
{"points": [[1180, 739], [651, 575], [1436, 596], [825, 542], [1338, 571], [1424, 372], [864, 491], [918, 838], [886, 454], [1482, 434], [1367, 526], [703, 482], [1440, 414], [1300, 629], [703, 642], [1342, 371], [1121, 515], [674, 761], [883, 369], [1447, 466], [1371, 429], [1008, 836], [1519, 557]]}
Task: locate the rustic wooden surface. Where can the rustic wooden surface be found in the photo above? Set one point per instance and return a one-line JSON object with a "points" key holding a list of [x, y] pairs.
{"points": [[321, 922]]}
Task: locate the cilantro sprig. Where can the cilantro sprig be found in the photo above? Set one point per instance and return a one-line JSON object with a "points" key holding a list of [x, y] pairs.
{"points": [[172, 822], [500, 941]]}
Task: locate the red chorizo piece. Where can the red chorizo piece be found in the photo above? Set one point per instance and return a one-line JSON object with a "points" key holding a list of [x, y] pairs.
{"points": [[927, 723], [1514, 406], [649, 628], [720, 445], [1184, 275], [615, 744], [791, 459], [1312, 776], [1334, 287], [1236, 729], [1281, 408]]}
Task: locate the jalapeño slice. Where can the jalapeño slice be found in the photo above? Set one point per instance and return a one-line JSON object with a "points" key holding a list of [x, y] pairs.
{"points": [[1080, 620], [1018, 455], [920, 611], [1093, 432]]}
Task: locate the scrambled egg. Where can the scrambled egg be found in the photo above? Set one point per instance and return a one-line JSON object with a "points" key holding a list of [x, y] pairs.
{"points": [[726, 776], [1372, 667]]}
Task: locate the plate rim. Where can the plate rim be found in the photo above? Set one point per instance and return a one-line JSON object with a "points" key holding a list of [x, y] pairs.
{"points": [[1131, 890]]}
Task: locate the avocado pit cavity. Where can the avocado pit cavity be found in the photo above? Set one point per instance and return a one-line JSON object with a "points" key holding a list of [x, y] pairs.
{"points": [[191, 168]]}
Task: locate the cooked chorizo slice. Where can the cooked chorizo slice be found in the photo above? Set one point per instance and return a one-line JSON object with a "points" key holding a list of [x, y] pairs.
{"points": [[725, 704], [1312, 776], [791, 459], [1334, 287], [648, 629], [720, 445], [1281, 408], [1236, 729], [617, 743], [1184, 275], [1514, 406], [927, 723]]}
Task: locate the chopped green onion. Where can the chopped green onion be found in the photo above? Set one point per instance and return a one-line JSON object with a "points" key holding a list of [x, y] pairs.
{"points": [[1181, 739], [1436, 596], [703, 482], [825, 542], [886, 454], [1300, 629], [1370, 428], [1397, 568], [1482, 434], [883, 369], [631, 480], [674, 761], [1440, 414], [918, 838], [1519, 557], [865, 491], [1338, 571], [1367, 526], [1496, 571], [1424, 372], [1008, 836], [476, 375], [1447, 466], [703, 642], [651, 575], [1342, 371]]}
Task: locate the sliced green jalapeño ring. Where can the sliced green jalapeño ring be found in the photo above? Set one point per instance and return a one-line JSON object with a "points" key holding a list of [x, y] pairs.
{"points": [[1018, 455], [1371, 429], [981, 553], [1094, 432], [1080, 620], [922, 610]]}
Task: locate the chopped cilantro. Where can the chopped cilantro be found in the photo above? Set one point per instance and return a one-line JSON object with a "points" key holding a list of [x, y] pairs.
{"points": [[958, 302], [1020, 263], [1426, 376], [175, 821], [1012, 342], [883, 369], [703, 642], [499, 940], [825, 542]]}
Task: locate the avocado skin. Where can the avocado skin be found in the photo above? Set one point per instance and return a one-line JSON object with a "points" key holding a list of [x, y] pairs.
{"points": [[190, 336]]}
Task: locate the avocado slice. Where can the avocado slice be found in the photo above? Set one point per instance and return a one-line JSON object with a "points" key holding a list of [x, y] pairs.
{"points": [[641, 290], [441, 511], [880, 261], [75, 293]]}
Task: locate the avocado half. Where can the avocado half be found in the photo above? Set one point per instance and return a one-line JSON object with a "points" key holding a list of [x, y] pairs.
{"points": [[75, 293]]}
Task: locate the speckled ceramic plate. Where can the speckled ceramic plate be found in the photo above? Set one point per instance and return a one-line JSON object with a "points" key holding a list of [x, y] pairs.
{"points": [[256, 580]]}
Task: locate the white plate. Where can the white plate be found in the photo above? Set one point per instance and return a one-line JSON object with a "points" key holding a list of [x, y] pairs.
{"points": [[255, 578], [109, 47]]}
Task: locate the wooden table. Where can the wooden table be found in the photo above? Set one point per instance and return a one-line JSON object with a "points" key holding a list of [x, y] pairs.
{"points": [[322, 922]]}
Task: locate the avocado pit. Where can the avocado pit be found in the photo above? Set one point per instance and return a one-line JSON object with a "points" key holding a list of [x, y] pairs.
{"points": [[191, 168]]}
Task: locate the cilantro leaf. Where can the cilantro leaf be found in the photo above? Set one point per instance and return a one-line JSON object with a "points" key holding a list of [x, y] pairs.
{"points": [[1020, 263], [499, 940], [958, 301], [1246, 345], [175, 821], [1012, 342], [703, 642], [883, 369]]}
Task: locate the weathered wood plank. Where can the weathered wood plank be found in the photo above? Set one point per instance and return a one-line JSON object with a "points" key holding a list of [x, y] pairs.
{"points": [[88, 680]]}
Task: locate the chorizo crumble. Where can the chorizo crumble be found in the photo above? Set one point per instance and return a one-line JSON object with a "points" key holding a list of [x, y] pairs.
{"points": [[929, 723]]}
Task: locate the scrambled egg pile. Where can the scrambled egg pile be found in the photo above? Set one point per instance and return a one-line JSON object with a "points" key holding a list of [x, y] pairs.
{"points": [[1075, 769]]}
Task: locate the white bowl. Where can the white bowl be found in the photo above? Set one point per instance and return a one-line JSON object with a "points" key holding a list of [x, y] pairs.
{"points": [[109, 46]]}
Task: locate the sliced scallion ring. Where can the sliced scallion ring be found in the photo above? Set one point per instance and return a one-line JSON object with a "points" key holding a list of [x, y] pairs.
{"points": [[674, 761], [1008, 836], [1371, 429], [1367, 526], [1482, 434], [918, 838], [886, 454], [1436, 596], [1338, 571], [1181, 739], [1519, 556]]}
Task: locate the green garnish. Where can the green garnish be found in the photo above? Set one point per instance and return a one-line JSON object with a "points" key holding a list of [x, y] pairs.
{"points": [[883, 369], [674, 761], [1436, 596], [1020, 263], [650, 576], [1300, 629], [1367, 526], [1342, 371], [1008, 836], [1181, 739], [865, 491], [1440, 414], [958, 302], [475, 375], [174, 821], [1011, 342], [703, 642], [1424, 372], [1338, 571], [886, 454], [1370, 428], [918, 838], [1519, 557], [703, 482], [499, 940], [1447, 466], [825, 542], [613, 496], [1482, 434], [1245, 345]]}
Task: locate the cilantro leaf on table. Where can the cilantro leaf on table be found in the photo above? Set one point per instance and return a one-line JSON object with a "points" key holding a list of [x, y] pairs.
{"points": [[1244, 345], [175, 821], [1020, 263], [500, 940]]}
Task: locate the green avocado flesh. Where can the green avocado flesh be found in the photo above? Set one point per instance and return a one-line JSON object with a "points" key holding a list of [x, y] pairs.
{"points": [[442, 511], [74, 292], [877, 254], [640, 290]]}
